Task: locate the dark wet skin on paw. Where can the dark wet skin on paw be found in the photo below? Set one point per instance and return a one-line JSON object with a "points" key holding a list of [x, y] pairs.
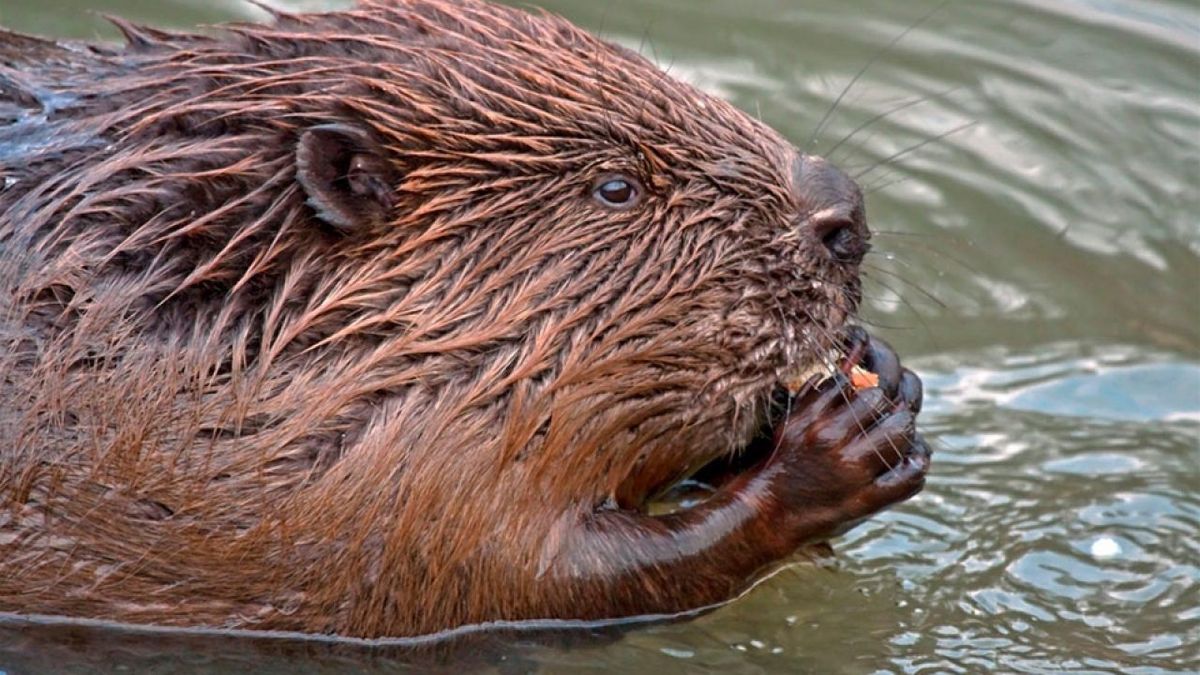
{"points": [[840, 455], [863, 444]]}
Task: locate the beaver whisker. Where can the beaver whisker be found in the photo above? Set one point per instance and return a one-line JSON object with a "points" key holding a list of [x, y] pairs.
{"points": [[859, 174], [903, 240], [888, 113], [907, 282], [907, 303], [866, 66]]}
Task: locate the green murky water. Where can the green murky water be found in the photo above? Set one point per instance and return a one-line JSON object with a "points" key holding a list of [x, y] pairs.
{"points": [[1041, 268]]}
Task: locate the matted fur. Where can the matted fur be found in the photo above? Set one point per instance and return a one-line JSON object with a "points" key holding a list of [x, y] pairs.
{"points": [[217, 410]]}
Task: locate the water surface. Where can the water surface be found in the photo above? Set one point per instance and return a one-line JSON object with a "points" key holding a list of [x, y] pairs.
{"points": [[1040, 267]]}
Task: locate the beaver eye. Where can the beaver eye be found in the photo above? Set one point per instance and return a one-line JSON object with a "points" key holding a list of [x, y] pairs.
{"points": [[617, 192]]}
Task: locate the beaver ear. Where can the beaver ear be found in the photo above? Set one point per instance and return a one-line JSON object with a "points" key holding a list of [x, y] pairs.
{"points": [[347, 182]]}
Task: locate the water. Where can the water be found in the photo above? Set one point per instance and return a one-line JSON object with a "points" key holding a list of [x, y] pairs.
{"points": [[1041, 269]]}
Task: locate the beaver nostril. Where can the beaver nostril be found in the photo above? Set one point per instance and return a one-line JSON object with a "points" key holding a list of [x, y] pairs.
{"points": [[838, 241], [836, 216], [840, 236]]}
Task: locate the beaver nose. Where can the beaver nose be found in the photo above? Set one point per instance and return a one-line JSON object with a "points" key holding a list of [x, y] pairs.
{"points": [[836, 215]]}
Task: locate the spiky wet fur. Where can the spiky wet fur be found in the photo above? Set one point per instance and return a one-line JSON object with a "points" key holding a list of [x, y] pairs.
{"points": [[217, 410]]}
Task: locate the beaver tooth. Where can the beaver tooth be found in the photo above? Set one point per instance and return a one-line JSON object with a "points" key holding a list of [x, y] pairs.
{"points": [[822, 366]]}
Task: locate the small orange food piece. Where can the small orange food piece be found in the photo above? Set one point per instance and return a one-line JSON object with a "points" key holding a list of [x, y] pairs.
{"points": [[861, 378]]}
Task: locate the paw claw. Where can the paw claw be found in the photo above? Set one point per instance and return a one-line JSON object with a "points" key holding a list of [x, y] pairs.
{"points": [[911, 391]]}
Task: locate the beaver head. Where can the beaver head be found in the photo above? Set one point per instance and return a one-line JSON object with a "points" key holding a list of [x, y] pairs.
{"points": [[347, 305]]}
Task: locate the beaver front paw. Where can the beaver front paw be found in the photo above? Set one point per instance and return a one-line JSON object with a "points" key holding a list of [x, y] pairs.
{"points": [[844, 454]]}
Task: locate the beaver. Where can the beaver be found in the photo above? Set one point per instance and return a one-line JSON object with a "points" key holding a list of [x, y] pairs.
{"points": [[391, 320]]}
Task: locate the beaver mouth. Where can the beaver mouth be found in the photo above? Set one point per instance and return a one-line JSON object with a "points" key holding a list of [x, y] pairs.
{"points": [[844, 355], [698, 485]]}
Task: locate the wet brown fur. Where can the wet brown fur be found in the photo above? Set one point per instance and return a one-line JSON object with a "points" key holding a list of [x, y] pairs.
{"points": [[218, 410]]}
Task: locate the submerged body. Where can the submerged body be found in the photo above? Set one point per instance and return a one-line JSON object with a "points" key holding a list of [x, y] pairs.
{"points": [[392, 320]]}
